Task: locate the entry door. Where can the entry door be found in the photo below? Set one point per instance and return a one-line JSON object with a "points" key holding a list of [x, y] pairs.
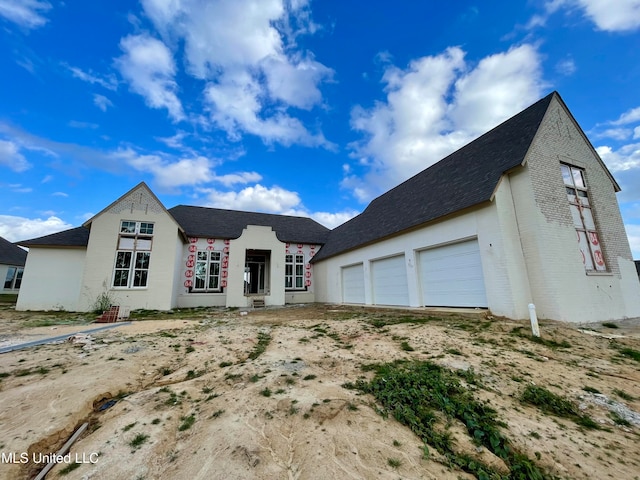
{"points": [[451, 276], [390, 281]]}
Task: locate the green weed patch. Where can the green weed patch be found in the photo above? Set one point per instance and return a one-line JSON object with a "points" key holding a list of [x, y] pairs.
{"points": [[418, 393]]}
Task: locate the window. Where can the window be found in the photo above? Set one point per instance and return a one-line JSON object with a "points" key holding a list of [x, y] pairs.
{"points": [[294, 271], [13, 280], [207, 271], [582, 214], [134, 252]]}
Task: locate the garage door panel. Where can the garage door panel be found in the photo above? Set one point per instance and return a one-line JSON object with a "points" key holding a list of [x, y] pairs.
{"points": [[390, 281], [353, 284], [451, 276]]}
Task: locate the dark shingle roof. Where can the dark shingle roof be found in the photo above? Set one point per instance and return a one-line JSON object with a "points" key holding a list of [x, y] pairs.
{"points": [[11, 254], [464, 179], [218, 223], [74, 237]]}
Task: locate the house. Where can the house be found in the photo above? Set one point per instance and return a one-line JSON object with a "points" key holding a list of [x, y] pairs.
{"points": [[526, 213], [144, 256], [12, 259]]}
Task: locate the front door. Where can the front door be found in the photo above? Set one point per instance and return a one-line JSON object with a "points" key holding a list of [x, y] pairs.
{"points": [[256, 272]]}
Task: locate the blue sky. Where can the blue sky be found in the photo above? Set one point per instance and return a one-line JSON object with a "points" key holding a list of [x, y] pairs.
{"points": [[290, 106]]}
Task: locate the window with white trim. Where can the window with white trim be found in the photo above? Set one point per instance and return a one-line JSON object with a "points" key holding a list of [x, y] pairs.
{"points": [[134, 252], [207, 272], [583, 220], [13, 280], [294, 271]]}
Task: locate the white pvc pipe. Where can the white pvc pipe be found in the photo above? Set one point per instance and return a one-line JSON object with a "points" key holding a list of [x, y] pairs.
{"points": [[534, 320]]}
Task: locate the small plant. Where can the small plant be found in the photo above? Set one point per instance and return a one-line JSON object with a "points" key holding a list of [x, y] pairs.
{"points": [[225, 364], [129, 427], [187, 423], [556, 405], [591, 389], [610, 325], [396, 443], [190, 349], [266, 392], [631, 353], [394, 462], [69, 468], [139, 440], [261, 346], [406, 347], [309, 377], [104, 300], [155, 421], [624, 395], [217, 413]]}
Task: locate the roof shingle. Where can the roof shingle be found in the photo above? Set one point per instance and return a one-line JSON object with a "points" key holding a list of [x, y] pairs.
{"points": [[461, 180], [219, 223], [11, 254]]}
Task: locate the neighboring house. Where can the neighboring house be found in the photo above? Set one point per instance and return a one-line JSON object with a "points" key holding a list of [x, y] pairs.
{"points": [[12, 259], [527, 213]]}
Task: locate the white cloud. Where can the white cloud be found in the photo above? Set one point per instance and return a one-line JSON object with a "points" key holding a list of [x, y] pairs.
{"points": [[169, 173], [148, 66], [246, 52], [618, 16], [26, 13], [332, 220], [566, 67], [20, 228], [630, 116], [102, 102], [615, 133], [11, 157], [434, 106], [238, 178], [256, 198], [621, 15], [626, 157], [109, 82], [60, 194]]}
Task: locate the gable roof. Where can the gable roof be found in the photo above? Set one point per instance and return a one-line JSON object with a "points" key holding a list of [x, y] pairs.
{"points": [[219, 223], [465, 178], [11, 254], [74, 237]]}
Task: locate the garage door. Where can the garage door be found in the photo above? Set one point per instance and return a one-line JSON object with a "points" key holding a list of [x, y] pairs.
{"points": [[353, 284], [451, 276], [390, 281]]}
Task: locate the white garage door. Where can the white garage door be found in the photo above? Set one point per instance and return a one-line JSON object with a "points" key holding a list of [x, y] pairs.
{"points": [[390, 281], [451, 276], [353, 284]]}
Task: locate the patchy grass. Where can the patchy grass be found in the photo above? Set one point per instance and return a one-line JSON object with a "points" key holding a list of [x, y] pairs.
{"points": [[556, 405], [418, 394], [261, 346], [187, 423], [139, 440]]}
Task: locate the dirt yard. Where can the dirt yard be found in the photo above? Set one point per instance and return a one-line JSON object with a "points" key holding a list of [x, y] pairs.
{"points": [[217, 394]]}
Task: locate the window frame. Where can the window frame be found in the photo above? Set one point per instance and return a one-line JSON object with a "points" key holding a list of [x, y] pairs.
{"points": [[578, 196], [294, 271], [14, 281], [131, 265], [212, 282]]}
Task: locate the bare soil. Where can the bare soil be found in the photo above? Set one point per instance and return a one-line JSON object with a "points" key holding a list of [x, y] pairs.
{"points": [[194, 396]]}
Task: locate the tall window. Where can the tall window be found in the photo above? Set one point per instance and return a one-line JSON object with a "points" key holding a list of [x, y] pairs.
{"points": [[13, 280], [207, 273], [133, 254], [588, 239], [294, 271]]}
